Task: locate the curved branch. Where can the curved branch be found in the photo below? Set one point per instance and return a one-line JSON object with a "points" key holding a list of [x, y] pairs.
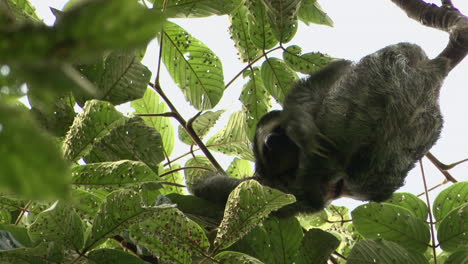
{"points": [[446, 18]]}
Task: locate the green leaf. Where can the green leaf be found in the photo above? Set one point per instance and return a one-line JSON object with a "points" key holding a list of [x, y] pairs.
{"points": [[305, 63], [86, 203], [171, 236], [452, 233], [120, 210], [195, 206], [112, 174], [393, 223], [192, 9], [236, 258], [282, 16], [233, 139], [45, 253], [383, 252], [175, 176], [20, 234], [135, 25], [240, 168], [123, 78], [32, 164], [56, 118], [239, 30], [113, 256], [248, 204], [260, 31], [23, 10], [316, 247], [61, 224], [133, 140], [201, 126], [410, 202], [309, 221], [311, 12], [151, 104], [277, 240], [196, 175], [449, 199], [256, 101], [193, 66], [79, 35], [278, 78], [96, 121], [458, 257]]}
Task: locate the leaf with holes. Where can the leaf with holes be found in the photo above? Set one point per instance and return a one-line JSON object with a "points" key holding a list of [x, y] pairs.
{"points": [[112, 256], [112, 174], [316, 247], [96, 121], [255, 99], [133, 140], [192, 9], [449, 199], [311, 12], [151, 104], [171, 236], [240, 168], [410, 202], [452, 233], [60, 224], [282, 16], [123, 78], [120, 210], [44, 253], [282, 236], [201, 126], [260, 31], [202, 170], [383, 252], [173, 176], [305, 63], [193, 66], [239, 30], [278, 78], [233, 139], [236, 258], [86, 203], [248, 204], [393, 223]]}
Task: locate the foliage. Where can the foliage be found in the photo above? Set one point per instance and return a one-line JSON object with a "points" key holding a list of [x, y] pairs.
{"points": [[82, 182]]}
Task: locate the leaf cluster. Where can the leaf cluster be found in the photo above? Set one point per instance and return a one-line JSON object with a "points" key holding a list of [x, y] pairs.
{"points": [[81, 182]]}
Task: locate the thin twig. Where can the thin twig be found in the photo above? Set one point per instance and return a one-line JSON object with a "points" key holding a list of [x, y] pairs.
{"points": [[430, 212], [445, 181], [183, 168], [438, 164]]}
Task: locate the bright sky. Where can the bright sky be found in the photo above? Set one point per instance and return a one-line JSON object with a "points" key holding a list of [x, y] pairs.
{"points": [[361, 27]]}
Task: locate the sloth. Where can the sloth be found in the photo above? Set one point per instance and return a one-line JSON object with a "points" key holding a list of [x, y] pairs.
{"points": [[350, 129]]}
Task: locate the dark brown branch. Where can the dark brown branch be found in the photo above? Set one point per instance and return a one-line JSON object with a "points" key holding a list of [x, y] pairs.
{"points": [[168, 114], [190, 131], [440, 166]]}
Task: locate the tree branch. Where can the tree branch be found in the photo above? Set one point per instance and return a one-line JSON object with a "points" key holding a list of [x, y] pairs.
{"points": [[446, 18]]}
